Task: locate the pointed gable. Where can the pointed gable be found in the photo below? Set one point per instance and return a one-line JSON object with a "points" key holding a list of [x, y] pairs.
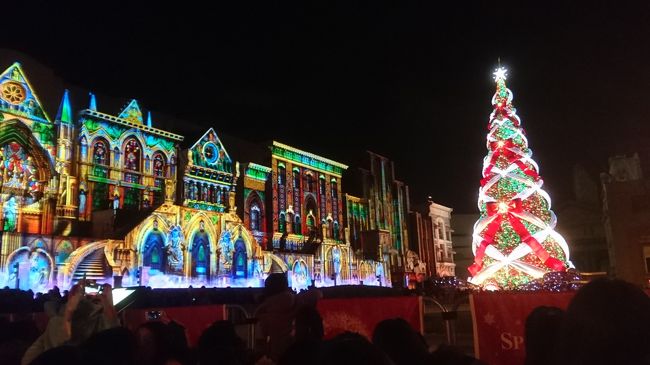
{"points": [[209, 152], [132, 112], [17, 96]]}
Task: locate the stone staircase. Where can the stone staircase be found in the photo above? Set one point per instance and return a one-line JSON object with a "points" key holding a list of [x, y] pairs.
{"points": [[93, 266]]}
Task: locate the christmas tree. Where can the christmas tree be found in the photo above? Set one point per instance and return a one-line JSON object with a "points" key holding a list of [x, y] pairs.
{"points": [[514, 240]]}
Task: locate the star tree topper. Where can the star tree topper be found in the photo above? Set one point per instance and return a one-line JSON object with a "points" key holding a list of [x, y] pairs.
{"points": [[500, 74]]}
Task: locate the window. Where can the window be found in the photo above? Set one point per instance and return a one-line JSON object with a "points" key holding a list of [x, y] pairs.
{"points": [[132, 198], [159, 165], [296, 201], [282, 196], [297, 229], [84, 148], [282, 223], [322, 191], [132, 160], [335, 199], [100, 157], [100, 196], [132, 154], [255, 216]]}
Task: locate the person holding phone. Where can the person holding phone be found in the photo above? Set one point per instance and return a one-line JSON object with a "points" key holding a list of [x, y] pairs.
{"points": [[83, 315]]}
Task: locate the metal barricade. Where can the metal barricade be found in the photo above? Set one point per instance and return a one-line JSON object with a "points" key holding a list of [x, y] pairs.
{"points": [[448, 318], [244, 319]]}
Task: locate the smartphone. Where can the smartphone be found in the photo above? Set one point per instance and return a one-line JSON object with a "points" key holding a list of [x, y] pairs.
{"points": [[154, 315]]}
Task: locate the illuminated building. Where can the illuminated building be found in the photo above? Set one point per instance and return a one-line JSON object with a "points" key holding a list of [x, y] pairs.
{"points": [[308, 209], [376, 219], [104, 196]]}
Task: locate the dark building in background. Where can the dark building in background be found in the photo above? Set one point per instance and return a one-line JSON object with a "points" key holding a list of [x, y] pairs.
{"points": [[581, 223], [626, 211], [462, 238]]}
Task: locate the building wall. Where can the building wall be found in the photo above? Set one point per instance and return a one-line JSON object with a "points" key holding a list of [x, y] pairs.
{"points": [[462, 242], [626, 210], [122, 163], [442, 239]]}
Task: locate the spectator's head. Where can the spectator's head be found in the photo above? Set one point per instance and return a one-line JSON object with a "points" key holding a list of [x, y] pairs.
{"points": [[308, 324], [542, 329], [156, 344], [400, 342], [115, 346], [275, 283], [351, 349], [607, 322], [219, 344], [69, 355]]}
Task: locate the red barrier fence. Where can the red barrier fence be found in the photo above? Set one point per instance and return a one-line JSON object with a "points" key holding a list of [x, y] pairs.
{"points": [[351, 314], [195, 319], [362, 314], [499, 320]]}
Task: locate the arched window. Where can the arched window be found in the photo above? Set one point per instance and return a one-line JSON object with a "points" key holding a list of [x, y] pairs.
{"points": [[282, 174], [336, 231], [296, 201], [132, 160], [159, 165], [311, 208], [100, 157], [282, 223], [255, 216], [63, 251], [310, 182], [335, 199], [297, 225], [132, 154], [282, 193], [100, 152], [84, 148], [172, 166], [322, 197]]}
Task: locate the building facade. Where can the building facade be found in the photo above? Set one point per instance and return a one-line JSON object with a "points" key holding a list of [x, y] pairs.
{"points": [[626, 211], [100, 195]]}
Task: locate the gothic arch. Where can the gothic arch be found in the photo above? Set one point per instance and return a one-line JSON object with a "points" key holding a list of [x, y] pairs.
{"points": [[29, 251], [278, 261], [91, 150], [345, 262], [16, 131], [146, 227], [254, 197], [193, 226]]}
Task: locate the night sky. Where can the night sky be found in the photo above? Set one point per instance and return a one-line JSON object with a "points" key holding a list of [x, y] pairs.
{"points": [[409, 81]]}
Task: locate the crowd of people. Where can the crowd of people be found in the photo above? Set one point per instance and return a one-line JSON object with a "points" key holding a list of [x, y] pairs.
{"points": [[607, 322]]}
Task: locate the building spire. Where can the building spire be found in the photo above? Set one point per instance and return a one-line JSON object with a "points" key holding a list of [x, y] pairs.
{"points": [[92, 105], [64, 115], [149, 119]]}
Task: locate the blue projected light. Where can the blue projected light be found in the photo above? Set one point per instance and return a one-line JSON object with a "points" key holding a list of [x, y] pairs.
{"points": [[211, 153]]}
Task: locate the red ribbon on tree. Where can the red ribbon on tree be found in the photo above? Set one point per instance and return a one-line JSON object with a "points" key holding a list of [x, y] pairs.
{"points": [[505, 211], [503, 148]]}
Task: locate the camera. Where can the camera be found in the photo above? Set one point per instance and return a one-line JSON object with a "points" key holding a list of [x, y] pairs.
{"points": [[153, 315]]}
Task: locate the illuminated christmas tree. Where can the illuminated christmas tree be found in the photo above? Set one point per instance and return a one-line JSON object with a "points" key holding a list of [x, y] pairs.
{"points": [[514, 240]]}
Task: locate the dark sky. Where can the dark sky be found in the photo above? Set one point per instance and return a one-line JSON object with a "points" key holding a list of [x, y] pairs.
{"points": [[410, 80]]}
